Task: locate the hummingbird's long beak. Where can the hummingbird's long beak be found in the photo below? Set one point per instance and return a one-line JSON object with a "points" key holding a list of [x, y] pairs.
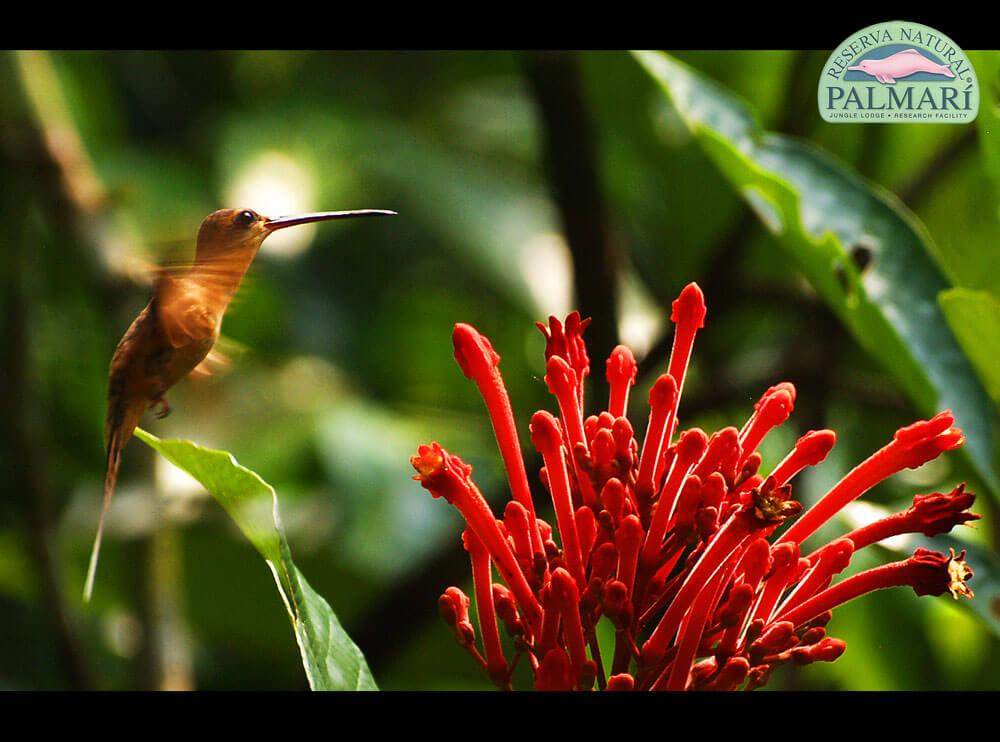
{"points": [[321, 216]]}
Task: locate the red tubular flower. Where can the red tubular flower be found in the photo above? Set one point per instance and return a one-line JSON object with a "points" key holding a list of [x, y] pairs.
{"points": [[692, 630], [506, 608], [621, 376], [771, 411], [671, 541], [785, 561], [927, 572], [810, 450], [826, 650], [496, 665], [722, 454], [549, 634], [548, 440], [517, 521], [728, 542], [586, 531], [447, 476], [454, 608], [613, 499], [687, 509], [756, 563], [566, 342], [479, 362], [689, 449], [731, 676], [688, 313], [620, 682], [662, 397], [629, 538], [829, 562], [930, 515], [565, 384], [567, 598], [555, 671], [912, 447]]}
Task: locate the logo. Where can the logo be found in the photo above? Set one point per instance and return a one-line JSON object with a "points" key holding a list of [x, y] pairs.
{"points": [[896, 73]]}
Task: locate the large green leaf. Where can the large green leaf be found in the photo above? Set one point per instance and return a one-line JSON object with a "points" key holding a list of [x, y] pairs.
{"points": [[822, 213], [331, 660], [974, 317]]}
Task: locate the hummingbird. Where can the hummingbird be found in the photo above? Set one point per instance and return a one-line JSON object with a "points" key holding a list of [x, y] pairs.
{"points": [[176, 331]]}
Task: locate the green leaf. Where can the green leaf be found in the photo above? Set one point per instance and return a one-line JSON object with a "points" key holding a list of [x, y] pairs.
{"points": [[331, 660], [819, 211], [974, 317]]}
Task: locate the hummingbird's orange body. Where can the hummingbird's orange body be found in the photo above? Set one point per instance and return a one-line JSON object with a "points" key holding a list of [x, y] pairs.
{"points": [[179, 326]]}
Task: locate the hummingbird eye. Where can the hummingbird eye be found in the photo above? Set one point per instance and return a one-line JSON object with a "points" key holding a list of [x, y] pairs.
{"points": [[245, 218]]}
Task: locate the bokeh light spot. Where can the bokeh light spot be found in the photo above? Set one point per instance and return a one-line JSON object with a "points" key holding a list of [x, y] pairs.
{"points": [[275, 184]]}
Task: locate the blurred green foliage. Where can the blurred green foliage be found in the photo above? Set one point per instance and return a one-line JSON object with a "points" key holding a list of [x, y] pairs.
{"points": [[341, 343]]}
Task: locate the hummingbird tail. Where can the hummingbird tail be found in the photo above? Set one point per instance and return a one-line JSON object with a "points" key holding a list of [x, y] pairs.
{"points": [[121, 430]]}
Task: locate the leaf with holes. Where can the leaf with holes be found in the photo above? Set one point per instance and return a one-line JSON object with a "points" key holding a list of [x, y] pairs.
{"points": [[862, 250], [331, 660]]}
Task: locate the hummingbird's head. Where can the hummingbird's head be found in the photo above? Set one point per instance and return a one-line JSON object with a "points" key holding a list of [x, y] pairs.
{"points": [[229, 231]]}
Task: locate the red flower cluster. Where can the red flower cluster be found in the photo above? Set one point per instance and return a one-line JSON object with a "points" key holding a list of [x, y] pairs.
{"points": [[671, 541]]}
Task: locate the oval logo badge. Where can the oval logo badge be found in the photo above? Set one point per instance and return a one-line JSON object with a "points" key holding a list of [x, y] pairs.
{"points": [[898, 73]]}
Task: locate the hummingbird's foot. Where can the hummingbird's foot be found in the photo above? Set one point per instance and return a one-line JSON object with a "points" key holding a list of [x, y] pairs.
{"points": [[163, 408]]}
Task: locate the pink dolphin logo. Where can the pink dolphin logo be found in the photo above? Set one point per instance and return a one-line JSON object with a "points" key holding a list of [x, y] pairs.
{"points": [[901, 64]]}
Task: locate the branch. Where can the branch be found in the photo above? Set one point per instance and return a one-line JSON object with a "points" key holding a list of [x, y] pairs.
{"points": [[574, 178]]}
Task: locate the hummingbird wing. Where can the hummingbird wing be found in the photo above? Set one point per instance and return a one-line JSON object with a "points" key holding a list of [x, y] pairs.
{"points": [[215, 361], [186, 312]]}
